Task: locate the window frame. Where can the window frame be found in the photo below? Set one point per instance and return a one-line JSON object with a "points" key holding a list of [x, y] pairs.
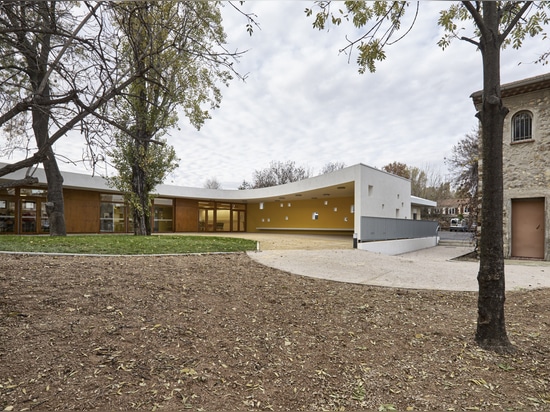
{"points": [[522, 137]]}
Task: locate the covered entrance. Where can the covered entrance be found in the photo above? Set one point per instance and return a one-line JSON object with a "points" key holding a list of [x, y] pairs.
{"points": [[528, 228]]}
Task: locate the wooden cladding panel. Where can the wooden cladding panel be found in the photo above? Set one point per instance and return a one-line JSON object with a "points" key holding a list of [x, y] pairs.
{"points": [[187, 215], [81, 211]]}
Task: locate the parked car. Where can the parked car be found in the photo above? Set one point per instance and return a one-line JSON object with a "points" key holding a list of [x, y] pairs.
{"points": [[458, 225]]}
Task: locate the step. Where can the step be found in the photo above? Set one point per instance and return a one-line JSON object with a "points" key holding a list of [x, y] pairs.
{"points": [[451, 242]]}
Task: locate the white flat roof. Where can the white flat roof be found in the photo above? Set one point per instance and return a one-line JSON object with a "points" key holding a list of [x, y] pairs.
{"points": [[340, 183]]}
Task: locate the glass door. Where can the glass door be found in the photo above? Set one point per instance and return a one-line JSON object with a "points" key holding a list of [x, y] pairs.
{"points": [[206, 216], [112, 217], [106, 215], [44, 219], [28, 216], [163, 215], [206, 220], [239, 224]]}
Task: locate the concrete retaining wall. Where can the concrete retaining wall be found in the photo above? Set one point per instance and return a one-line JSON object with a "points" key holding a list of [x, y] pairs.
{"points": [[396, 247]]}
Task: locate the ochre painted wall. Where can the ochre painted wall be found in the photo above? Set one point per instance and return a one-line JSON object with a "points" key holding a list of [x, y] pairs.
{"points": [[288, 215], [81, 211]]}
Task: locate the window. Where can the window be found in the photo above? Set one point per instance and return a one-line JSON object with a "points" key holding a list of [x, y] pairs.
{"points": [[163, 215], [112, 216], [7, 216], [522, 126]]}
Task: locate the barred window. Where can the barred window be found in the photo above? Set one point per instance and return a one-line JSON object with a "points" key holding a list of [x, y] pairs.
{"points": [[522, 126]]}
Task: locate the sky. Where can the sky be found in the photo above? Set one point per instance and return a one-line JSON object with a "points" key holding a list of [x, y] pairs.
{"points": [[304, 101]]}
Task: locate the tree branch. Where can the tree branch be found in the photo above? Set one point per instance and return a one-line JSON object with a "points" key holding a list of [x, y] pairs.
{"points": [[470, 41], [474, 12], [28, 162], [27, 104], [39, 155], [515, 20], [27, 181], [65, 47], [14, 111]]}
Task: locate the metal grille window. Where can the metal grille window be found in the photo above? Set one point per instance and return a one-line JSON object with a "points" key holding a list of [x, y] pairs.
{"points": [[522, 126]]}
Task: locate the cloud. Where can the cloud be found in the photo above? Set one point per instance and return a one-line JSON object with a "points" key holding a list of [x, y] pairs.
{"points": [[304, 101]]}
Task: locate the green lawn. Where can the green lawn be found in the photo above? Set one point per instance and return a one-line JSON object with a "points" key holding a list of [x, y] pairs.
{"points": [[124, 244]]}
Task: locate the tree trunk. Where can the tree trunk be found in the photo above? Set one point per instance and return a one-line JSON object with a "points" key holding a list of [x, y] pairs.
{"points": [[55, 207], [37, 60], [491, 328], [142, 211]]}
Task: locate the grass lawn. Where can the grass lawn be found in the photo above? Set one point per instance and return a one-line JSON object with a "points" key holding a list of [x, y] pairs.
{"points": [[124, 244]]}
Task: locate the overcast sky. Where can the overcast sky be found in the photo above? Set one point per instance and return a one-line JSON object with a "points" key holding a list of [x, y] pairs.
{"points": [[303, 101]]}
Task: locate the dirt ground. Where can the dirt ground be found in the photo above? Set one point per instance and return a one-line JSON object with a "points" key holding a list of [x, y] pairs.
{"points": [[222, 332]]}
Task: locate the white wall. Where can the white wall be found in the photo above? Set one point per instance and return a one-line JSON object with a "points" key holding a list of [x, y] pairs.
{"points": [[397, 247], [381, 194]]}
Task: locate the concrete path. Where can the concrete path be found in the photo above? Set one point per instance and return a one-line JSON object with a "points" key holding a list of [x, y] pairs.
{"points": [[426, 269]]}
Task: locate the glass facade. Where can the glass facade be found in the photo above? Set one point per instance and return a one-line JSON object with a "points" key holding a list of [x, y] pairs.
{"points": [[44, 220], [163, 215], [222, 217], [112, 214], [7, 216], [28, 216], [23, 211]]}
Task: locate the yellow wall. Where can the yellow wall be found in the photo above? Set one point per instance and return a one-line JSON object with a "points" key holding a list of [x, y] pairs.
{"points": [[273, 216]]}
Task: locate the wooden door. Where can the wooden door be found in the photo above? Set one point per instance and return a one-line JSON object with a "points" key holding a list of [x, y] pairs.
{"points": [[528, 228]]}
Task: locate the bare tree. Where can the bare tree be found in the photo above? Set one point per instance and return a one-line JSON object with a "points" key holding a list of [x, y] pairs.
{"points": [[39, 82], [55, 72], [332, 167], [278, 173], [464, 167], [212, 183], [426, 182]]}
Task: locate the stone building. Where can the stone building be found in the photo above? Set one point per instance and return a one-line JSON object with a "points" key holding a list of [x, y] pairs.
{"points": [[526, 167]]}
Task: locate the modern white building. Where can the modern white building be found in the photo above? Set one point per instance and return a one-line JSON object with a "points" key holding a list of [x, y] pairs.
{"points": [[373, 207]]}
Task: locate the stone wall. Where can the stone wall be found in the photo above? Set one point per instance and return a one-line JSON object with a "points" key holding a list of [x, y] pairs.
{"points": [[527, 163]]}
